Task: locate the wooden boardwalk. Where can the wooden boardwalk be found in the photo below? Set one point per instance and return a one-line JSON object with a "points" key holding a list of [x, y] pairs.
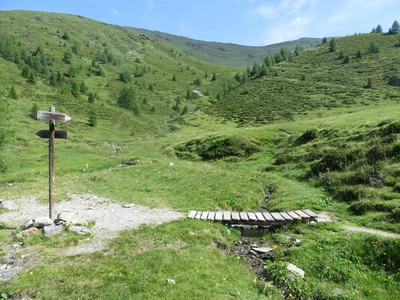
{"points": [[255, 218]]}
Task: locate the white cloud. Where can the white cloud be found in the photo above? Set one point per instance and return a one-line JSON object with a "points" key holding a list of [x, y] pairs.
{"points": [[150, 4], [266, 12], [296, 28], [115, 12], [292, 6]]}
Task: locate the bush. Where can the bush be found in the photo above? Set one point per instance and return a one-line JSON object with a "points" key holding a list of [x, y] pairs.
{"points": [[349, 193], [332, 160], [306, 137], [212, 148]]}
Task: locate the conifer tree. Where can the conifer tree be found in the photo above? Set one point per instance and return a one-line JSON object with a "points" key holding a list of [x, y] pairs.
{"points": [[13, 93]]}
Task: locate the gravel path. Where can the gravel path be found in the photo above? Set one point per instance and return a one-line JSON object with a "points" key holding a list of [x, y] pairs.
{"points": [[373, 231], [109, 218]]}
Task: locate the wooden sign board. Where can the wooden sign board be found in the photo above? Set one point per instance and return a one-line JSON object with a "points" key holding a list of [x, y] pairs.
{"points": [[58, 134], [50, 116]]}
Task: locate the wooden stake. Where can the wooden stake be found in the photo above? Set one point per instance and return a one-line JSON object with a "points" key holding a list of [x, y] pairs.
{"points": [[52, 124]]}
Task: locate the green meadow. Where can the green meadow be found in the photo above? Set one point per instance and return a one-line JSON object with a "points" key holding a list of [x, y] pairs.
{"points": [[319, 131]]}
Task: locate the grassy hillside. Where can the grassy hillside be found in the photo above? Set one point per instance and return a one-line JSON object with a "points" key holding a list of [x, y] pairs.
{"points": [[312, 133], [232, 55]]}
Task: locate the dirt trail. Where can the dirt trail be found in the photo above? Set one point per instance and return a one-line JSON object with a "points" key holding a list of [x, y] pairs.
{"points": [[372, 231], [109, 217]]}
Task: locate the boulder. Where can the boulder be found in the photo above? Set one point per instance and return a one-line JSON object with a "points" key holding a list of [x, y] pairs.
{"points": [[296, 270], [32, 231], [38, 222], [52, 229]]}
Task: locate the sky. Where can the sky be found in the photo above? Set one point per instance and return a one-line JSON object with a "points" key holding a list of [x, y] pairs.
{"points": [[242, 22]]}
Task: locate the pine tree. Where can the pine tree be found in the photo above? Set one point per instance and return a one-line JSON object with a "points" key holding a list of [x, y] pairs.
{"points": [[256, 69], [93, 116], [13, 93], [33, 111], [127, 99], [332, 45], [32, 79], [185, 110], [395, 28]]}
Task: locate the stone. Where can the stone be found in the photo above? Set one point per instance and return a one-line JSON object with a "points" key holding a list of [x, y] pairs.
{"points": [[82, 230], [52, 229], [32, 231], [68, 219], [263, 249], [296, 270], [128, 205], [171, 281], [297, 242], [38, 222], [171, 164]]}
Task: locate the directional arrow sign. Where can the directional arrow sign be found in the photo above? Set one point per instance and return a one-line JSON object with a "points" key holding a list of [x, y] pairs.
{"points": [[49, 116], [59, 134]]}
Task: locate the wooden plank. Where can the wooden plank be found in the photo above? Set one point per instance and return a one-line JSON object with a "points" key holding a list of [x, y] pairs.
{"points": [[235, 216], [192, 214], [198, 215], [51, 116], [252, 216], [301, 214], [211, 215], [277, 216], [268, 216], [218, 216], [310, 213], [227, 215], [294, 215], [58, 134], [204, 215], [286, 216], [243, 216], [260, 216]]}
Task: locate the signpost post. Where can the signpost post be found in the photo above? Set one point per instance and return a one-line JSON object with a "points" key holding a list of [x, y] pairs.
{"points": [[51, 134]]}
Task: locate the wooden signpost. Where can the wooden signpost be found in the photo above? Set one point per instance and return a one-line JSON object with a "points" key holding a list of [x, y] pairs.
{"points": [[51, 134]]}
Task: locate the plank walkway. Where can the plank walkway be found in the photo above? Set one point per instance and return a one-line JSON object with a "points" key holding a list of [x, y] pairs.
{"points": [[255, 218]]}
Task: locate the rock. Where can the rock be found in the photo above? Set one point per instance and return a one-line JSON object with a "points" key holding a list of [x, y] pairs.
{"points": [[296, 270], [171, 281], [79, 229], [68, 219], [337, 292], [297, 242], [38, 222], [32, 231], [263, 249], [171, 164], [323, 219], [128, 205], [52, 229]]}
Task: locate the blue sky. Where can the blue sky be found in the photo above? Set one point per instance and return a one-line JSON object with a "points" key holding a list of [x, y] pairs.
{"points": [[243, 22]]}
